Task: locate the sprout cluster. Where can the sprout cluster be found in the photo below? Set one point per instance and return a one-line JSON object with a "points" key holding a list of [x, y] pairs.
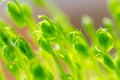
{"points": [[63, 52]]}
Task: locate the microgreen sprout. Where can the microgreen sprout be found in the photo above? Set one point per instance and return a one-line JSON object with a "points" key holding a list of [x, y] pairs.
{"points": [[105, 39]]}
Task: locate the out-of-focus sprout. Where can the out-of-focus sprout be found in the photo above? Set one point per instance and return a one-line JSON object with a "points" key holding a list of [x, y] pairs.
{"points": [[108, 23], [21, 14], [114, 6], [39, 72], [16, 14], [88, 25]]}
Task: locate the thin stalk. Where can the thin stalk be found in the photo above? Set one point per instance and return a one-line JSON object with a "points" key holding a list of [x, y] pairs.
{"points": [[62, 73], [77, 69], [48, 60], [69, 62], [116, 70]]}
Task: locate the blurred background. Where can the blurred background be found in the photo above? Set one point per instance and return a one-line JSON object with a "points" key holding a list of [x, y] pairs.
{"points": [[97, 9]]}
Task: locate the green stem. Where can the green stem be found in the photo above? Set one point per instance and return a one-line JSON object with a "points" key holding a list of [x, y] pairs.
{"points": [[116, 70], [48, 60], [98, 70], [69, 62], [23, 65], [18, 77], [62, 73], [78, 72], [2, 77]]}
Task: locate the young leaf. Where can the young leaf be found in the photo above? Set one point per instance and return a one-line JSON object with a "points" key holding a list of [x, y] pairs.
{"points": [[81, 46], [70, 36], [24, 47], [105, 39], [45, 45], [108, 62], [47, 29], [79, 42], [8, 55]]}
